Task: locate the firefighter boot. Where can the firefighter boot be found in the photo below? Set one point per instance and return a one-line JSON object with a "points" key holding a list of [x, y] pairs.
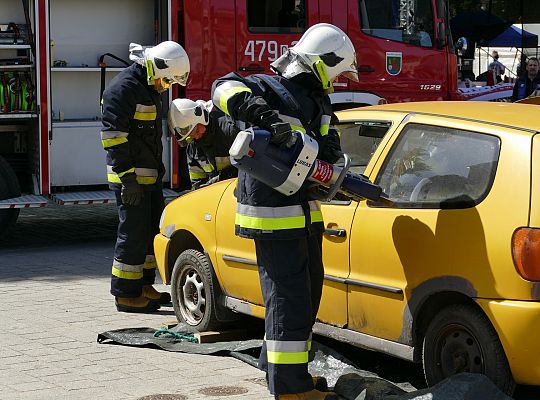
{"points": [[139, 304], [320, 383], [151, 293], [311, 395]]}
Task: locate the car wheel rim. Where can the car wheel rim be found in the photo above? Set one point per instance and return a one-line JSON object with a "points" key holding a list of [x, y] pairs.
{"points": [[457, 351], [193, 304]]}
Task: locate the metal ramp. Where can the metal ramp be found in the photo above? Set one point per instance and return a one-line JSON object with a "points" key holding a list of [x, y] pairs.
{"points": [[27, 201], [96, 197]]}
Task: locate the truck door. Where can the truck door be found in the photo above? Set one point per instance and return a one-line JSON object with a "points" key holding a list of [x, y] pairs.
{"points": [[266, 28], [396, 49]]}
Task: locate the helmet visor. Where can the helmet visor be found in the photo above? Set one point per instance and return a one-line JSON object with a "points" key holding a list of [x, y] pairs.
{"points": [[352, 73], [180, 79]]}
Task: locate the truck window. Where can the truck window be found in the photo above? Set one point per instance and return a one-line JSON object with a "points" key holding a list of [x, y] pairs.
{"points": [[281, 16], [403, 21]]}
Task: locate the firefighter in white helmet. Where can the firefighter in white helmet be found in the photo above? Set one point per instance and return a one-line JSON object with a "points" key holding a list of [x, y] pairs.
{"points": [[287, 230], [208, 135], [131, 135]]}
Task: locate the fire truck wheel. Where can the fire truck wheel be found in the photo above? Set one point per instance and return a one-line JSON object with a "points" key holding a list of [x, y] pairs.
{"points": [[195, 291], [9, 187]]}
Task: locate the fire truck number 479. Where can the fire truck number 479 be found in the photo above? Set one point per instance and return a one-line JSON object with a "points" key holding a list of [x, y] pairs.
{"points": [[259, 50]]}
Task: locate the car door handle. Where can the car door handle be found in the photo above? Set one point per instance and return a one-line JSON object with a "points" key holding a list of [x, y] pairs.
{"points": [[335, 232], [366, 68], [251, 69]]}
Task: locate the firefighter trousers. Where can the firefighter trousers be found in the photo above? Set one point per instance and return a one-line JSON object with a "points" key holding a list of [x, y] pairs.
{"points": [[134, 264], [291, 274]]}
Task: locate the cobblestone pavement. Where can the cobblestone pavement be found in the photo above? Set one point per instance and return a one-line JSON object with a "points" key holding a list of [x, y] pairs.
{"points": [[54, 300]]}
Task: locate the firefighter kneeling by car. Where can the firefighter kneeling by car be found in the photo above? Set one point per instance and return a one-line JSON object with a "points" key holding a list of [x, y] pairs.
{"points": [[208, 136], [131, 135], [287, 230]]}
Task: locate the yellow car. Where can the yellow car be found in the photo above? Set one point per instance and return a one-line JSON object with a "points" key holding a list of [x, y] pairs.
{"points": [[448, 276]]}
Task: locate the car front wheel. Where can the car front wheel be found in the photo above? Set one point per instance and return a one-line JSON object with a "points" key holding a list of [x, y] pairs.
{"points": [[461, 339], [193, 291]]}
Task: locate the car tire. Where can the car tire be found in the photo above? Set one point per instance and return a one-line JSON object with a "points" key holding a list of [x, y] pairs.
{"points": [[9, 187], [194, 289], [461, 339]]}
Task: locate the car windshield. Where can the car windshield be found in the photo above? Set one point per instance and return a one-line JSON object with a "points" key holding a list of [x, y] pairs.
{"points": [[359, 140]]}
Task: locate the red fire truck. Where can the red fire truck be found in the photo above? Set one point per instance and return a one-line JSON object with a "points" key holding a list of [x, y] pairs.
{"points": [[50, 148]]}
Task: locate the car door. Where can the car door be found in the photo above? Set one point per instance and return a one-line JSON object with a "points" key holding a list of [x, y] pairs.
{"points": [[235, 256], [266, 28], [360, 139], [438, 235]]}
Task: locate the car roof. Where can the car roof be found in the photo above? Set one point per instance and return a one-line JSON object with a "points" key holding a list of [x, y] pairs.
{"points": [[521, 116]]}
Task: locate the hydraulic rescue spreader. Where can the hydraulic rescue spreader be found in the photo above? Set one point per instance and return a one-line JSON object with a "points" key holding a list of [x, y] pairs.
{"points": [[285, 168]]}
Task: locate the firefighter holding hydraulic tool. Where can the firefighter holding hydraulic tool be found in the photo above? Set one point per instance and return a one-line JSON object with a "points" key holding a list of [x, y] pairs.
{"points": [[131, 135], [287, 230]]}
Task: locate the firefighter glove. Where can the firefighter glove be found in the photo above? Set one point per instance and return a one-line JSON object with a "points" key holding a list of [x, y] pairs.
{"points": [[330, 148], [132, 193], [281, 133]]}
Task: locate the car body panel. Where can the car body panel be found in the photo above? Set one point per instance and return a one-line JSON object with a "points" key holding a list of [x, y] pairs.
{"points": [[518, 324], [535, 184]]}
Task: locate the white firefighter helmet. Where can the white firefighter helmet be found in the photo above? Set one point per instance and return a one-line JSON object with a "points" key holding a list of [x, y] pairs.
{"points": [[185, 114], [168, 60], [324, 50]]}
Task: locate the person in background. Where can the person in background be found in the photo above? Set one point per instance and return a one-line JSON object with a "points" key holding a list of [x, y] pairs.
{"points": [[496, 67], [529, 82], [131, 135], [287, 230], [208, 136]]}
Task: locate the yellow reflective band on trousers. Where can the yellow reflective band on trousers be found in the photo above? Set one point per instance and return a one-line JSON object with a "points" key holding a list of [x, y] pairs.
{"points": [[275, 218], [150, 262], [287, 352], [225, 91], [145, 113], [127, 271]]}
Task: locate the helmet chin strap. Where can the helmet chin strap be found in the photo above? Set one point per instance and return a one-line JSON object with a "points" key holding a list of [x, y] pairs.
{"points": [[320, 68]]}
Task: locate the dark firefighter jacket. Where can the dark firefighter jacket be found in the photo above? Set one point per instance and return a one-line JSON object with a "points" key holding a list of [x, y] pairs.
{"points": [[209, 156], [263, 212], [132, 128]]}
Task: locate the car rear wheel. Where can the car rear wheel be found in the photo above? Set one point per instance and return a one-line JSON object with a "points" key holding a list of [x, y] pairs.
{"points": [[461, 339], [194, 289], [9, 187]]}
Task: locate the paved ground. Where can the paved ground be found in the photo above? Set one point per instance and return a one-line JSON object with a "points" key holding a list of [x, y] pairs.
{"points": [[54, 300]]}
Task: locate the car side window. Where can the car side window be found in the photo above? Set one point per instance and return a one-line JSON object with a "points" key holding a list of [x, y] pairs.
{"points": [[360, 140], [437, 167], [270, 16]]}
